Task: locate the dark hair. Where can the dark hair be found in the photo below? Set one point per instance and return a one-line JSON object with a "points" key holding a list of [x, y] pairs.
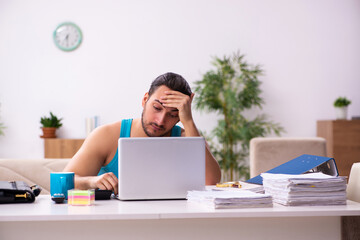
{"points": [[171, 80]]}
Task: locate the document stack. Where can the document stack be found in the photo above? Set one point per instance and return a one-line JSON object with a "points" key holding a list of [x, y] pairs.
{"points": [[240, 186], [230, 199], [312, 189]]}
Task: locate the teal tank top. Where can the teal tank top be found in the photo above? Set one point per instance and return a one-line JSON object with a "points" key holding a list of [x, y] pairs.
{"points": [[124, 133]]}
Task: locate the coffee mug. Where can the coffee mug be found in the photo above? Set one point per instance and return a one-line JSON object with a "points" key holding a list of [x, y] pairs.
{"points": [[61, 182]]}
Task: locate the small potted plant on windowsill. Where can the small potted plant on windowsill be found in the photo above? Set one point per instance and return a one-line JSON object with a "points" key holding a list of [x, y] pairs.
{"points": [[341, 106], [49, 125]]}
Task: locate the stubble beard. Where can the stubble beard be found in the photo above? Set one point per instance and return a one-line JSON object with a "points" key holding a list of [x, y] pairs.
{"points": [[149, 134]]}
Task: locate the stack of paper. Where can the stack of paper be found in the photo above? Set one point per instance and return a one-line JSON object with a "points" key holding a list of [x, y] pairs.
{"points": [[252, 187], [312, 189], [243, 186], [230, 199]]}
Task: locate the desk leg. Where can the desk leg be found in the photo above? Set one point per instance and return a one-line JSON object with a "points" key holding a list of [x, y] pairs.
{"points": [[350, 228]]}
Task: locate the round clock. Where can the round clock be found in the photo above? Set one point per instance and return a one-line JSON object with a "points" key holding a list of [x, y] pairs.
{"points": [[67, 36]]}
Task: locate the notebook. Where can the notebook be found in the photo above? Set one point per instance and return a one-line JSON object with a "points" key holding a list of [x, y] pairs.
{"points": [[160, 167]]}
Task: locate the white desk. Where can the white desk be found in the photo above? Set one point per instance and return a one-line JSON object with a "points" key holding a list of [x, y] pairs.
{"points": [[168, 220]]}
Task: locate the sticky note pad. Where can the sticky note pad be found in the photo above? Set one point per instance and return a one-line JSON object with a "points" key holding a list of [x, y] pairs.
{"points": [[81, 197]]}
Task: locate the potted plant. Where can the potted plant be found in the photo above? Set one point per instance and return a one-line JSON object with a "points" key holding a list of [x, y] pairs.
{"points": [[230, 90], [341, 106], [2, 127], [49, 125]]}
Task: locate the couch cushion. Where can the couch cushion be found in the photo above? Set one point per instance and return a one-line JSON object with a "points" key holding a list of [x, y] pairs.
{"points": [[31, 171]]}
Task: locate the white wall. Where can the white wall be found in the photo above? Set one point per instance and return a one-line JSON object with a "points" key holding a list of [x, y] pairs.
{"points": [[310, 51]]}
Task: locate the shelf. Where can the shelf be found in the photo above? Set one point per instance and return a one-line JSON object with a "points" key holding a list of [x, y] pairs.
{"points": [[342, 142], [61, 148]]}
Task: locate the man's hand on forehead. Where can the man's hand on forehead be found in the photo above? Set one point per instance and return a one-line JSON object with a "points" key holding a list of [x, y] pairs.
{"points": [[173, 110], [180, 101], [171, 98]]}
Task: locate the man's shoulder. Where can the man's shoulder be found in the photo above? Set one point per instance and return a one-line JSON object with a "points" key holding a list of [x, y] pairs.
{"points": [[109, 129]]}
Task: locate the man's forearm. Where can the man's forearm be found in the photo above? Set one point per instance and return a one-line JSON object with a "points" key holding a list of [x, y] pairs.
{"points": [[191, 129], [83, 183], [213, 173]]}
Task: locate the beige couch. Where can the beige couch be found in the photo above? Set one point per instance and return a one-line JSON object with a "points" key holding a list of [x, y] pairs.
{"points": [[31, 171]]}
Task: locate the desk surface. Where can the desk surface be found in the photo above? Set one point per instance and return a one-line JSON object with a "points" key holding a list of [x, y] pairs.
{"points": [[44, 209], [175, 219]]}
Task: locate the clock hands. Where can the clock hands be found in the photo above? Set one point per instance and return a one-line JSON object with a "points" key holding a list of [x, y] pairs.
{"points": [[67, 39]]}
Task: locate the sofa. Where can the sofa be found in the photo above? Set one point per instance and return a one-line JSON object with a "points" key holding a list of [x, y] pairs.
{"points": [[31, 171]]}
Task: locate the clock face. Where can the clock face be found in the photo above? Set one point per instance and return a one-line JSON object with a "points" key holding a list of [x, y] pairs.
{"points": [[67, 36]]}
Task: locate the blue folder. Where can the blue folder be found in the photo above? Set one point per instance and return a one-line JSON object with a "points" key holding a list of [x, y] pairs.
{"points": [[303, 164]]}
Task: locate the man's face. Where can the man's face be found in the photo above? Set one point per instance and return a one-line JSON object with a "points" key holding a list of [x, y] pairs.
{"points": [[157, 120]]}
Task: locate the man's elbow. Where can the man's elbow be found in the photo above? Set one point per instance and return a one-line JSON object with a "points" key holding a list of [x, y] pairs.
{"points": [[213, 179]]}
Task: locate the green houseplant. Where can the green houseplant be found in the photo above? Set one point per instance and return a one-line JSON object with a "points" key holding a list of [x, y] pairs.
{"points": [[341, 106], [230, 89], [2, 127], [342, 102], [49, 125]]}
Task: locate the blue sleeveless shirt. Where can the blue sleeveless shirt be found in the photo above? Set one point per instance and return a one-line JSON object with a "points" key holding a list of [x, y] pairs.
{"points": [[113, 166]]}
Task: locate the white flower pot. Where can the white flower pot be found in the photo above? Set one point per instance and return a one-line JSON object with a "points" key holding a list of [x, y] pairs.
{"points": [[341, 112]]}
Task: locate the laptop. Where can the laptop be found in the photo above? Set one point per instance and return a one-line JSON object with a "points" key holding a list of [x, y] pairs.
{"points": [[160, 167]]}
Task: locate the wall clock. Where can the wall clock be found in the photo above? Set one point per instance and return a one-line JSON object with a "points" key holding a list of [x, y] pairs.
{"points": [[67, 36]]}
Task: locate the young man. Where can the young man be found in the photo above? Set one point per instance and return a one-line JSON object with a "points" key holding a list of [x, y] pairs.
{"points": [[167, 102]]}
